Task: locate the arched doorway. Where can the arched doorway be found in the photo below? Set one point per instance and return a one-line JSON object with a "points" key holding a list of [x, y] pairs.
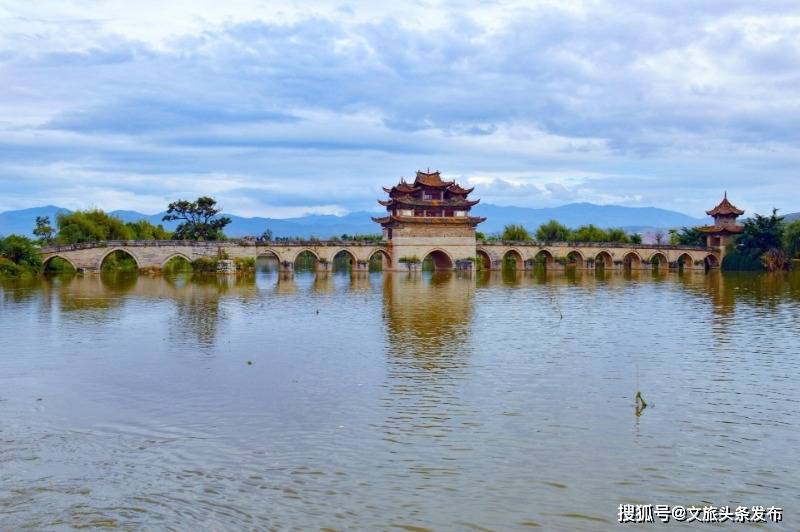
{"points": [[711, 262], [437, 260]]}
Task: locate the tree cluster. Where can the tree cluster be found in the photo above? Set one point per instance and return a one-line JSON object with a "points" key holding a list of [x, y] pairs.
{"points": [[554, 231]]}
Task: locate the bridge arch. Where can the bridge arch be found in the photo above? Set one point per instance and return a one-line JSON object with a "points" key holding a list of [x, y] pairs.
{"points": [[685, 261], [353, 260], [300, 251], [632, 260], [441, 259], [515, 255], [114, 250], [659, 260], [544, 256], [386, 259], [575, 258], [485, 259], [269, 253], [175, 255], [711, 261], [66, 259], [604, 259]]}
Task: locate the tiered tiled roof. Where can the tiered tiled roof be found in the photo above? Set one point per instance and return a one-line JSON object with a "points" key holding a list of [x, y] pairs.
{"points": [[406, 199], [722, 229], [443, 220], [725, 207], [427, 180], [431, 200]]}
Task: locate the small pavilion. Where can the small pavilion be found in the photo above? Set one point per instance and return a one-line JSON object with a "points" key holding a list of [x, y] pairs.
{"points": [[725, 227]]}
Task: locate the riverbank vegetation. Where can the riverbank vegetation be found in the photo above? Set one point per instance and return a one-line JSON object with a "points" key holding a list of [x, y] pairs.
{"points": [[766, 243], [19, 255], [554, 231]]}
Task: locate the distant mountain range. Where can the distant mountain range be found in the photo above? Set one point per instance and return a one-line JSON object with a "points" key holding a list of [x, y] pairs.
{"points": [[638, 219]]}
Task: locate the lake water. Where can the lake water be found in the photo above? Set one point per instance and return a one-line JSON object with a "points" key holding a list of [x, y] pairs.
{"points": [[386, 401]]}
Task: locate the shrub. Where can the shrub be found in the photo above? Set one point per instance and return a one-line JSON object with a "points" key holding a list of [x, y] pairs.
{"points": [[22, 252], [245, 264], [9, 268], [741, 261], [204, 265]]}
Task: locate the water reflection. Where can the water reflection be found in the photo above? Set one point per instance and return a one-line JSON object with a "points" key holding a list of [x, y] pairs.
{"points": [[496, 400]]}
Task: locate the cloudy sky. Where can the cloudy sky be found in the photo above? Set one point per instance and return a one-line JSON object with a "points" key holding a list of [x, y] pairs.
{"points": [[285, 108]]}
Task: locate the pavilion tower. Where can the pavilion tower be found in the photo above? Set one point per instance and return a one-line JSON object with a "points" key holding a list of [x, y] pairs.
{"points": [[429, 217], [725, 228]]}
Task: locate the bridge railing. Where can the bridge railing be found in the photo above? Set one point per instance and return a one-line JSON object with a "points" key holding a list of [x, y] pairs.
{"points": [[213, 244], [532, 243]]}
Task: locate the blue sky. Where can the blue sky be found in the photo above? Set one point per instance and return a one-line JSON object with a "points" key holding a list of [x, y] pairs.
{"points": [[284, 108]]}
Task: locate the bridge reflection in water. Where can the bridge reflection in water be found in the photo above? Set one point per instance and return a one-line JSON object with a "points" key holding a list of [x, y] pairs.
{"points": [[436, 399]]}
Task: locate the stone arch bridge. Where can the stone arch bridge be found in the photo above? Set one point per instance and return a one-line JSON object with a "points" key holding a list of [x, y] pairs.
{"points": [[153, 255]]}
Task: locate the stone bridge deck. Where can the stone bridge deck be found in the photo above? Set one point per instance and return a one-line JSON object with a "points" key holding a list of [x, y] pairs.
{"points": [[154, 254]]}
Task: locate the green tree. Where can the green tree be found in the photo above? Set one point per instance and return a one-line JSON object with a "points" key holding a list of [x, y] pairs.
{"points": [[791, 239], [199, 219], [267, 235], [144, 230], [22, 252], [516, 233], [617, 235], [761, 233], [635, 238], [759, 245], [44, 230], [687, 236], [90, 226], [480, 236], [552, 231], [588, 233]]}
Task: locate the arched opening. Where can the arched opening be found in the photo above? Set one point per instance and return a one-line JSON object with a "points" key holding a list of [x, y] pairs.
{"points": [[119, 260], [343, 261], [437, 260], [544, 258], [604, 260], [512, 260], [575, 259], [711, 262], [685, 261], [268, 262], [268, 267], [176, 264], [484, 261], [380, 261], [632, 261], [306, 261], [659, 262], [58, 264]]}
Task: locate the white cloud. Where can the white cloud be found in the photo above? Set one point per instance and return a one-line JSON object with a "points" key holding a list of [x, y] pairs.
{"points": [[311, 106]]}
